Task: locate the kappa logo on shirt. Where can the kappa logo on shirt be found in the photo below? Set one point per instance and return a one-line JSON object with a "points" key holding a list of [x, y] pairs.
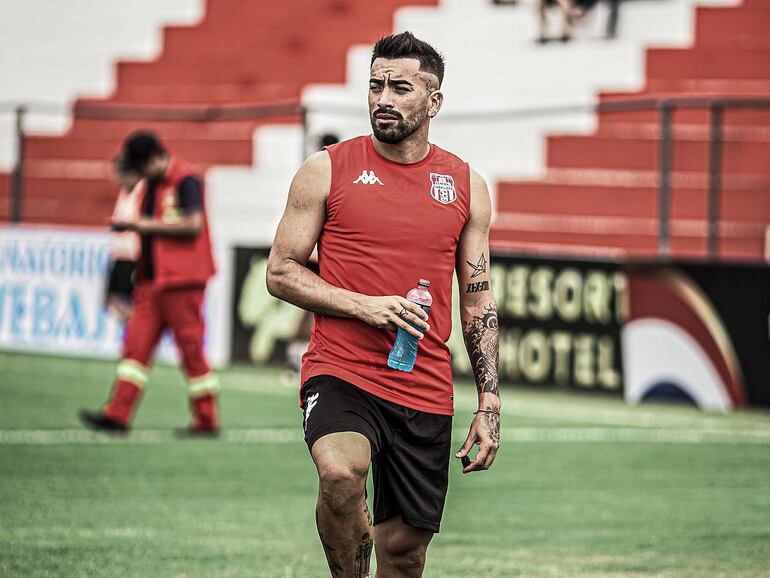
{"points": [[368, 178]]}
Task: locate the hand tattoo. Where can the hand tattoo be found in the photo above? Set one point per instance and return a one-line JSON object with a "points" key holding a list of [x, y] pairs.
{"points": [[490, 421], [481, 340]]}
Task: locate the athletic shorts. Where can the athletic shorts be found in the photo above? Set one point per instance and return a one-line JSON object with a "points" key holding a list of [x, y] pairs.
{"points": [[410, 448], [121, 279]]}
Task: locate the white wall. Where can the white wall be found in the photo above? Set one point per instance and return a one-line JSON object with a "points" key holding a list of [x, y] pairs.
{"points": [[52, 51]]}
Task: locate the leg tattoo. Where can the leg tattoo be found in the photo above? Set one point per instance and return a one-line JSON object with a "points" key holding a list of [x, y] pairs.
{"points": [[363, 556], [334, 566]]}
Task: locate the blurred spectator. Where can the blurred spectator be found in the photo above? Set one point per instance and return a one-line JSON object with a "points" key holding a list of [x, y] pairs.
{"points": [[174, 266], [583, 6], [572, 11], [326, 140], [567, 10]]}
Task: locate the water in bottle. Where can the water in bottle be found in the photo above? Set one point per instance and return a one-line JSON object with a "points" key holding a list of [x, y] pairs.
{"points": [[404, 352]]}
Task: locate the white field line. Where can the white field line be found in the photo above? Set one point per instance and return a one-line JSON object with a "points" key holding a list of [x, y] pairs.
{"points": [[294, 435]]}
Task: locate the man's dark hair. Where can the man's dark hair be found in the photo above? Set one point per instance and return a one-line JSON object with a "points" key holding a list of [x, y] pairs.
{"points": [[406, 45], [138, 149]]}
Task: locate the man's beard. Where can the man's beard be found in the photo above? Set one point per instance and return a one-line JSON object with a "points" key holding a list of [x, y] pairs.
{"points": [[399, 132]]}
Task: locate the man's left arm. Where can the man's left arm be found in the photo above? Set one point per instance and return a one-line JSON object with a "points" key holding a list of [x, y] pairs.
{"points": [[478, 313]]}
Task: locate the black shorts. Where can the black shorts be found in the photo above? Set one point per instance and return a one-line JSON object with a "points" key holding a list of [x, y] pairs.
{"points": [[410, 448], [121, 279]]}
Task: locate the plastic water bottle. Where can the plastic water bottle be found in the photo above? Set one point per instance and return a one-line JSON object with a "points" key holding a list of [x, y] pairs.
{"points": [[404, 352]]}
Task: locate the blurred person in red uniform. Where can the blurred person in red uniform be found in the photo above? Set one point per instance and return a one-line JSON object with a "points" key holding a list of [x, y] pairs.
{"points": [[386, 210], [174, 266], [125, 245]]}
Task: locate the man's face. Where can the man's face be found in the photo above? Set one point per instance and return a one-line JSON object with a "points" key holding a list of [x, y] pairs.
{"points": [[128, 179], [155, 169], [401, 96]]}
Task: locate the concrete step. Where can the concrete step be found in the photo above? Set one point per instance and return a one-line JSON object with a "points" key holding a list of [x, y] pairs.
{"points": [[722, 63], [750, 205], [208, 151], [620, 238], [731, 28], [578, 151]]}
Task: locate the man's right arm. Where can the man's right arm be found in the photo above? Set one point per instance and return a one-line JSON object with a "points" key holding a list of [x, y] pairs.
{"points": [[290, 280]]}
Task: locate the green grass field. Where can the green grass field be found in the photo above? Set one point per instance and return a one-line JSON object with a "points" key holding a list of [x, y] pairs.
{"points": [[583, 486]]}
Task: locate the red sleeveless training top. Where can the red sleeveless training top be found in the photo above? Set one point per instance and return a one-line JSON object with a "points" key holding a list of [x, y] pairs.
{"points": [[387, 226]]}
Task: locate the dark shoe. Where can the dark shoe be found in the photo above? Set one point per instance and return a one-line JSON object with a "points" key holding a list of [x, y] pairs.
{"points": [[97, 421], [191, 432]]}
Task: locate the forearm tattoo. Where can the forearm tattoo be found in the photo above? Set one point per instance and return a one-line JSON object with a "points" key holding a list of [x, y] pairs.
{"points": [[481, 340]]}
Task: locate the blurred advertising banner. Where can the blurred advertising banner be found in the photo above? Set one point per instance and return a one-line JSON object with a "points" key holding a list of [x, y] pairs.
{"points": [[693, 332], [560, 322], [699, 332], [265, 330], [52, 292], [52, 283]]}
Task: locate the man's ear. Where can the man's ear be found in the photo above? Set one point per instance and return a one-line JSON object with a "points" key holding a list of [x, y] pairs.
{"points": [[434, 105]]}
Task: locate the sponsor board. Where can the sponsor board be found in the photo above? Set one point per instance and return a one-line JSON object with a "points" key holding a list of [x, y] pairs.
{"points": [[559, 323], [700, 333], [52, 284]]}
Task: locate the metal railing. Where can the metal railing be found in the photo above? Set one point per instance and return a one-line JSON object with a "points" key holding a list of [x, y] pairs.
{"points": [[665, 106]]}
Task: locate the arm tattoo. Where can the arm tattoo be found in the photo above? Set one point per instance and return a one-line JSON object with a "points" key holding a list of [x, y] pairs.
{"points": [[363, 555], [491, 424], [477, 287], [479, 267], [481, 335]]}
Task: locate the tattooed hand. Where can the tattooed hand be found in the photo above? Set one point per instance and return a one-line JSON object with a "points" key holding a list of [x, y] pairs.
{"points": [[484, 432]]}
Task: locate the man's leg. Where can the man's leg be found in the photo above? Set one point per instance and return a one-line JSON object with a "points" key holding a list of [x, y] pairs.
{"points": [[342, 517], [400, 549], [182, 310], [142, 333]]}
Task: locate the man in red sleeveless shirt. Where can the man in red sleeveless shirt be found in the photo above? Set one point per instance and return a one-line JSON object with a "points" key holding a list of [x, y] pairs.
{"points": [[387, 210], [174, 266]]}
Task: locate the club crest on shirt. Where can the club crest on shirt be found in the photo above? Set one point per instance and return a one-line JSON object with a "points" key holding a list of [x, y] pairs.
{"points": [[443, 188]]}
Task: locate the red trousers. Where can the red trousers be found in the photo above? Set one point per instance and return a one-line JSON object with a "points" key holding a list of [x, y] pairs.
{"points": [[178, 309], [155, 309]]}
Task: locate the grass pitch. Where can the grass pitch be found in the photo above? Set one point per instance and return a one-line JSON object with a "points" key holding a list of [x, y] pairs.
{"points": [[583, 486]]}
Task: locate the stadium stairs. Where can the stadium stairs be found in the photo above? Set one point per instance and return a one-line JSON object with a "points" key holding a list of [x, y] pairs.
{"points": [[494, 68], [599, 191], [50, 55], [242, 52]]}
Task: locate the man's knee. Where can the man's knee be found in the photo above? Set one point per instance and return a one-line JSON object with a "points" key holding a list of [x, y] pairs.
{"points": [[408, 555], [341, 487]]}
